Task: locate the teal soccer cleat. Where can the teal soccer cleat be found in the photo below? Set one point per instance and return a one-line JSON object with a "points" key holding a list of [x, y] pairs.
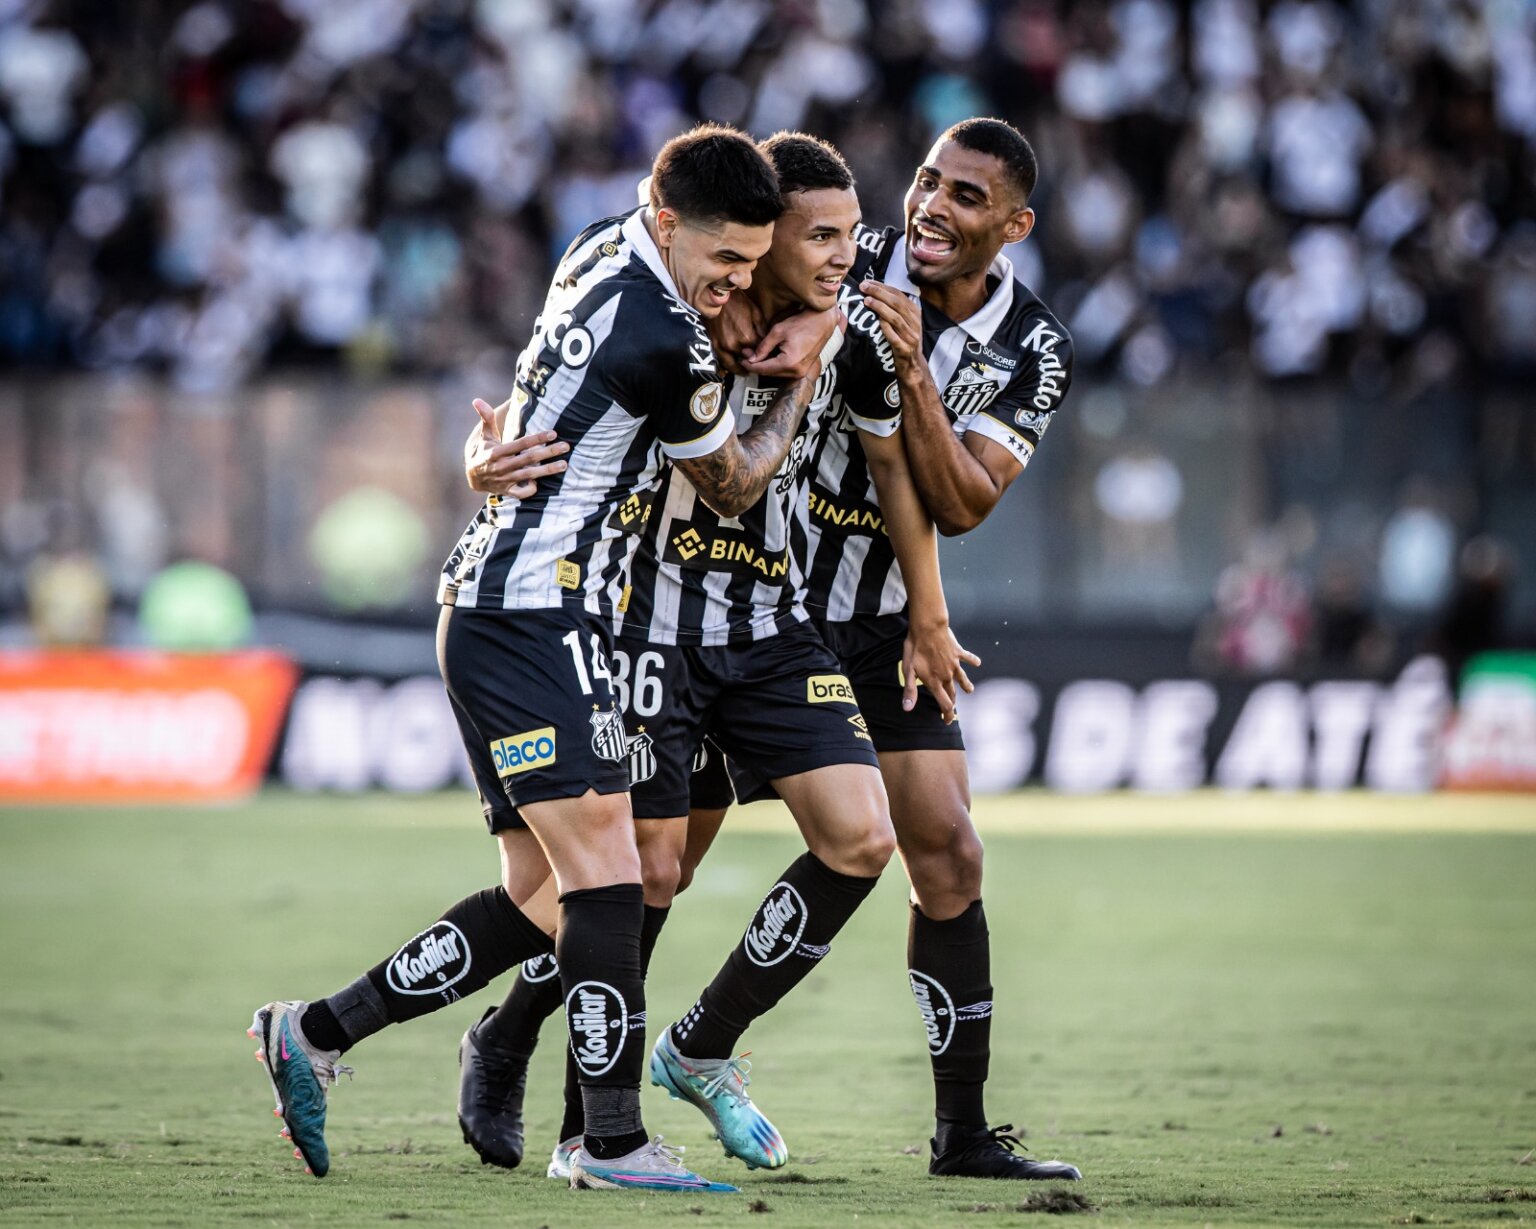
{"points": [[651, 1167], [560, 1160], [718, 1086], [300, 1074]]}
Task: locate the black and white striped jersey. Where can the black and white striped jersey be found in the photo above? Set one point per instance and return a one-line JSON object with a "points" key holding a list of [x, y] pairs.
{"points": [[1001, 373], [699, 578], [623, 371]]}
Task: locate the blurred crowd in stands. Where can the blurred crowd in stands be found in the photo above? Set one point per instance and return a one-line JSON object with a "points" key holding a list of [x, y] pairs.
{"points": [[1326, 210], [1297, 186]]}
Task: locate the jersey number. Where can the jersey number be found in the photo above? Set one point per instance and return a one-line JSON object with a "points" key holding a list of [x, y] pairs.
{"points": [[648, 694], [572, 641]]}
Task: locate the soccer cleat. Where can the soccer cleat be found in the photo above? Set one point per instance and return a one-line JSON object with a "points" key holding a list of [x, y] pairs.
{"points": [[982, 1152], [300, 1074], [560, 1160], [718, 1086], [491, 1081], [650, 1167]]}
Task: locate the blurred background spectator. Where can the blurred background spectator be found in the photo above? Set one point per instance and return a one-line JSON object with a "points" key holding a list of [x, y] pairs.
{"points": [[256, 256]]}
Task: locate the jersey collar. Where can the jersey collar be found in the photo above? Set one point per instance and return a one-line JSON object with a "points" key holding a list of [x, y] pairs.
{"points": [[982, 324], [645, 247]]}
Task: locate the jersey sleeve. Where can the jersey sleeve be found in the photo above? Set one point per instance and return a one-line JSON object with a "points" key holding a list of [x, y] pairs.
{"points": [[1018, 418], [670, 376], [866, 372]]}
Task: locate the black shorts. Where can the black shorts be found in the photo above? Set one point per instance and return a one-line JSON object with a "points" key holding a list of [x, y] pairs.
{"points": [[869, 649], [530, 690], [775, 707], [709, 786]]}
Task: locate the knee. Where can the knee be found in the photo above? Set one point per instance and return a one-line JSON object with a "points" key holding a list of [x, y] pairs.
{"points": [[661, 877], [946, 864], [685, 876], [866, 849]]}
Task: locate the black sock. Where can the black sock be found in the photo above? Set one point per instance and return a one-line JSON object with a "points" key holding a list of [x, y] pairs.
{"points": [[792, 929], [950, 972], [604, 988], [477, 940], [571, 1124], [534, 997]]}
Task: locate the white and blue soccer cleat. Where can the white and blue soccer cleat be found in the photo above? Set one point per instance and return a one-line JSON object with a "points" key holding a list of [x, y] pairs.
{"points": [[718, 1086], [650, 1167], [560, 1160]]}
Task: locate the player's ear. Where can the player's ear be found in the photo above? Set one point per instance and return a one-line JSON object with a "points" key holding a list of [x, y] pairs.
{"points": [[1019, 225], [666, 226]]}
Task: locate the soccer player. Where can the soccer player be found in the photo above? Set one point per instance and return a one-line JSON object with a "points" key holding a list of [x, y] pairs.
{"points": [[943, 292], [621, 368], [713, 637]]}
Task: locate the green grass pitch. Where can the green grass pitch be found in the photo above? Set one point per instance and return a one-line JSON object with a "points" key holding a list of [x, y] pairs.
{"points": [[1304, 1010]]}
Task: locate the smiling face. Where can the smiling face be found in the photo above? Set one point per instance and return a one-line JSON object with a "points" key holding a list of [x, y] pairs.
{"points": [[960, 211], [709, 261], [812, 246]]}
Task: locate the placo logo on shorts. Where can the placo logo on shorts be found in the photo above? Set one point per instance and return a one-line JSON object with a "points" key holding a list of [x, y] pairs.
{"points": [[776, 927], [540, 968], [829, 689], [522, 752], [431, 962], [937, 1008], [598, 1021]]}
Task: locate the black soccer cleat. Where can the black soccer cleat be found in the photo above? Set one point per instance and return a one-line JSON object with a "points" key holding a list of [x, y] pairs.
{"points": [[491, 1082], [983, 1152]]}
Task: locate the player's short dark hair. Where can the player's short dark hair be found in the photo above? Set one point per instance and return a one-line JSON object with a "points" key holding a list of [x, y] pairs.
{"points": [[805, 163], [1005, 143], [713, 174]]}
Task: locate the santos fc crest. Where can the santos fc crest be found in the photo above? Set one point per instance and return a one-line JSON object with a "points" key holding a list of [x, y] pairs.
{"points": [[969, 392]]}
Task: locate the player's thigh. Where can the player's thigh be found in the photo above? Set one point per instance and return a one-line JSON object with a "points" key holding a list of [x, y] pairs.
{"points": [[842, 812], [930, 793], [589, 841]]}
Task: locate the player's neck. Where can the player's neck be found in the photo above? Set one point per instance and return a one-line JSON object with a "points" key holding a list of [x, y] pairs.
{"points": [[770, 297], [959, 299]]}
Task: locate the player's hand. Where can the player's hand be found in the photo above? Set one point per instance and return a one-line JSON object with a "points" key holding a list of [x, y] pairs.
{"points": [[512, 469], [738, 327], [901, 320], [931, 655], [792, 349]]}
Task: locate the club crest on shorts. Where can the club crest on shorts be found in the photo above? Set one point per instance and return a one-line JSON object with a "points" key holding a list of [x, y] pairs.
{"points": [[776, 927], [598, 1020], [642, 757], [431, 963], [540, 968], [937, 1008], [608, 741]]}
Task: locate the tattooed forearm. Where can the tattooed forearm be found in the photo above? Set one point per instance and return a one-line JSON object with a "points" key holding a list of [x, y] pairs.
{"points": [[733, 477]]}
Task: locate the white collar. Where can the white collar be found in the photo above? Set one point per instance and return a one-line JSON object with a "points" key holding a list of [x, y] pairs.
{"points": [[982, 324], [634, 230]]}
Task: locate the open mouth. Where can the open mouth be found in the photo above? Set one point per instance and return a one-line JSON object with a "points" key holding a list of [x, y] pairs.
{"points": [[716, 295], [829, 282], [929, 243]]}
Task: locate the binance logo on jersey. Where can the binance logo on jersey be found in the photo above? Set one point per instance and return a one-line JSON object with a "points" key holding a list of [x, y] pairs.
{"points": [[523, 752], [633, 508], [829, 689], [850, 519], [688, 543]]}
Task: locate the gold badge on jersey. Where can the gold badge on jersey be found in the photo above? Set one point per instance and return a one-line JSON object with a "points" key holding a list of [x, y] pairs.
{"points": [[567, 574], [705, 403]]}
